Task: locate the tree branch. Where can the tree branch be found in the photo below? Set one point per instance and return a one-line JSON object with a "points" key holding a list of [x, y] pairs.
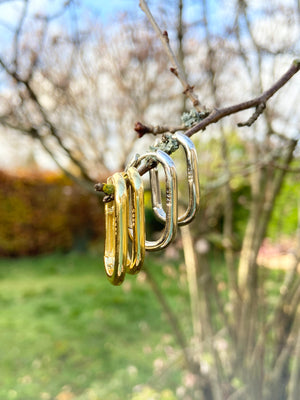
{"points": [[176, 68], [214, 116], [218, 114], [17, 35], [52, 129], [142, 129]]}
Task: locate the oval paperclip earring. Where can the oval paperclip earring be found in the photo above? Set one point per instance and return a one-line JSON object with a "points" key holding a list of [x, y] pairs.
{"points": [[137, 220], [116, 225], [193, 183], [170, 228]]}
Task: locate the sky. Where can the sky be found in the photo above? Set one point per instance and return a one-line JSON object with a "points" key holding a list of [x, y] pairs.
{"points": [[108, 9]]}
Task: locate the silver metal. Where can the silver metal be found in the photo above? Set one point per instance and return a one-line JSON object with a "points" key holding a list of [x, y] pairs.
{"points": [[171, 213], [193, 183]]}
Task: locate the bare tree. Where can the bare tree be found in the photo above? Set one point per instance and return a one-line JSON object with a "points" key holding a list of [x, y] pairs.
{"points": [[77, 92], [80, 108], [260, 339]]}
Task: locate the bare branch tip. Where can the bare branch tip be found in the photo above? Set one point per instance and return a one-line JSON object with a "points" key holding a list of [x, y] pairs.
{"points": [[98, 187], [296, 62], [166, 36], [141, 129], [174, 71], [258, 110], [105, 188]]}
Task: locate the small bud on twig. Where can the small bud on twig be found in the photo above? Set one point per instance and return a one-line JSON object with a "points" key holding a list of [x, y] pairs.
{"points": [[141, 129], [188, 88], [174, 71], [105, 188], [98, 187], [166, 36]]}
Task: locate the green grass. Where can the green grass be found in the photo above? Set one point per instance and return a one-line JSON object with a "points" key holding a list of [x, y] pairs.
{"points": [[66, 331]]}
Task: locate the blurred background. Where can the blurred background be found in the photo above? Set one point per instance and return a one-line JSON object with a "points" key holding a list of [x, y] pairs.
{"points": [[215, 315]]}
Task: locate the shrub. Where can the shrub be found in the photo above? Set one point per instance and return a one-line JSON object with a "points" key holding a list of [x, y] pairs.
{"points": [[43, 212]]}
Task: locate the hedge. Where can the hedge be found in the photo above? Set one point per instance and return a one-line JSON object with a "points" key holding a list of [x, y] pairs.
{"points": [[45, 212]]}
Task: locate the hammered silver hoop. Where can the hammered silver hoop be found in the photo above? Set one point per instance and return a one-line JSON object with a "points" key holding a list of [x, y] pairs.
{"points": [[171, 213], [193, 183]]}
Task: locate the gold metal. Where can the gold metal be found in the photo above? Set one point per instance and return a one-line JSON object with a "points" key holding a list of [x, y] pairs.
{"points": [[193, 183], [137, 216], [171, 213], [116, 224]]}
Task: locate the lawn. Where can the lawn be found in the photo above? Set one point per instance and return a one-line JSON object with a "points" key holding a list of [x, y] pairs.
{"points": [[67, 333]]}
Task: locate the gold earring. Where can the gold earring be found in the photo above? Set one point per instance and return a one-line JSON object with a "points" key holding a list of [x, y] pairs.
{"points": [[116, 225], [193, 183], [170, 228], [137, 213]]}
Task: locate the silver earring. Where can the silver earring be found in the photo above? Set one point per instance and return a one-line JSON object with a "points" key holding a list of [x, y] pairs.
{"points": [[193, 183], [171, 213]]}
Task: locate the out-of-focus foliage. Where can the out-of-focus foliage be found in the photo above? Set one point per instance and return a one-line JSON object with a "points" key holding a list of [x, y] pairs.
{"points": [[148, 393], [210, 219], [40, 213], [284, 219]]}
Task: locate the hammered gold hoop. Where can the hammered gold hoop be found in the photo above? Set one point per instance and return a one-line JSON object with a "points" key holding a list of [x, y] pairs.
{"points": [[116, 224], [137, 221]]}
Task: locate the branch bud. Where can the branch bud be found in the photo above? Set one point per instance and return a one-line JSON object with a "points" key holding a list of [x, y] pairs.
{"points": [[141, 129]]}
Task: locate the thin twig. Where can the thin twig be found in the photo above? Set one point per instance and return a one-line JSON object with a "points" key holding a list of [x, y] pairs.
{"points": [[258, 110], [176, 67], [142, 129], [52, 129], [287, 169], [294, 384], [218, 114], [281, 360], [17, 35], [258, 102]]}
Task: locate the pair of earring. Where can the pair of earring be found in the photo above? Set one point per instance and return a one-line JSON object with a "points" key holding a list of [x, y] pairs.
{"points": [[128, 205]]}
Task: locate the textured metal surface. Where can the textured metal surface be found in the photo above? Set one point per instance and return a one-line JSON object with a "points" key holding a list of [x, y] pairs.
{"points": [[171, 213], [116, 224], [137, 220], [192, 179]]}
